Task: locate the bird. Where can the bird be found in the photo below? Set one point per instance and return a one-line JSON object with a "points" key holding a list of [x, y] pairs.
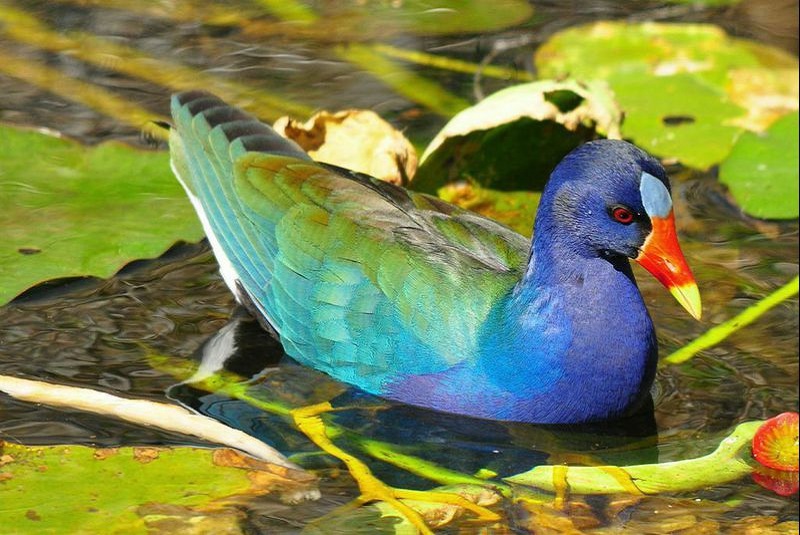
{"points": [[413, 299]]}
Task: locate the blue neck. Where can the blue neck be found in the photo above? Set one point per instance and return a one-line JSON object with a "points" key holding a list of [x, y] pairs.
{"points": [[557, 371], [571, 342]]}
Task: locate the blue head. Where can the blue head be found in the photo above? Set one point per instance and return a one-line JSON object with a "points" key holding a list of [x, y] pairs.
{"points": [[609, 199], [587, 187]]}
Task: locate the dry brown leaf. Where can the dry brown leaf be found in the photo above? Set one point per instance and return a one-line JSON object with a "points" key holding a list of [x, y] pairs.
{"points": [[439, 514], [145, 455], [548, 520], [354, 139], [105, 453], [294, 486]]}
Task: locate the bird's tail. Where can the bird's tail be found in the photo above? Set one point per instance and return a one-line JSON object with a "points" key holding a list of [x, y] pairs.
{"points": [[206, 140], [221, 131]]}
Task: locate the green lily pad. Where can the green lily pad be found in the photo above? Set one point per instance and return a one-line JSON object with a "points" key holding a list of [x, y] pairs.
{"points": [[70, 210], [662, 118], [77, 489], [673, 81], [514, 138], [762, 171]]}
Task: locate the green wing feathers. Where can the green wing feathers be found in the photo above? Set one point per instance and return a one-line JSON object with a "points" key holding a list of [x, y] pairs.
{"points": [[359, 277]]}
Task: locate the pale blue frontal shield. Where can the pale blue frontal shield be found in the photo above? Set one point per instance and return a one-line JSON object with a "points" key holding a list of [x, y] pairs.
{"points": [[655, 196]]}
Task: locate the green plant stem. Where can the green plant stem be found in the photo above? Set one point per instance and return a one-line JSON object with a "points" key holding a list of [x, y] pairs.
{"points": [[729, 462], [415, 465], [414, 87], [450, 64], [723, 330]]}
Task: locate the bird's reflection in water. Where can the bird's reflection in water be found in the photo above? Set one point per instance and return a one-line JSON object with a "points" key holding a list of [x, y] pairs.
{"points": [[468, 445]]}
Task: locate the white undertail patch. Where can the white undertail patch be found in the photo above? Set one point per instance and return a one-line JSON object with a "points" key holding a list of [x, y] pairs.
{"points": [[226, 268]]}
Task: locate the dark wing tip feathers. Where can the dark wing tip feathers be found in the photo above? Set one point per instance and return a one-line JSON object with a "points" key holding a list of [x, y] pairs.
{"points": [[224, 115], [254, 135], [242, 127], [188, 96], [200, 105], [272, 143]]}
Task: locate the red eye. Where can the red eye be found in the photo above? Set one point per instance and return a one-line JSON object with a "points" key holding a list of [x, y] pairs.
{"points": [[623, 215]]}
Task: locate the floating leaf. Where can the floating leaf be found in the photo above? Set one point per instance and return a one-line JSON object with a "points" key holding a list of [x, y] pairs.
{"points": [[762, 171], [423, 17], [672, 81], [364, 20], [128, 488], [358, 140], [514, 138], [70, 210], [677, 116]]}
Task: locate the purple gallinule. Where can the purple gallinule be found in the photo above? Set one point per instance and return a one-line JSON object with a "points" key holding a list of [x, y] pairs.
{"points": [[411, 298]]}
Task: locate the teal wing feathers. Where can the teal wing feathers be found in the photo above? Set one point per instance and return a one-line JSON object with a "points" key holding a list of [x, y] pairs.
{"points": [[359, 277]]}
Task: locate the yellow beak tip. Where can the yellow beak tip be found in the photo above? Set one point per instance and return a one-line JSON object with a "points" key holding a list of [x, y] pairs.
{"points": [[689, 297]]}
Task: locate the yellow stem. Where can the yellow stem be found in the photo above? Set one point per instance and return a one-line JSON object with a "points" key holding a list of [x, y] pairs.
{"points": [[451, 64], [307, 419]]}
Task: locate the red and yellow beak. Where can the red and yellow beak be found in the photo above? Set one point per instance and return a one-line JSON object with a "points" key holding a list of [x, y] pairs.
{"points": [[662, 257]]}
